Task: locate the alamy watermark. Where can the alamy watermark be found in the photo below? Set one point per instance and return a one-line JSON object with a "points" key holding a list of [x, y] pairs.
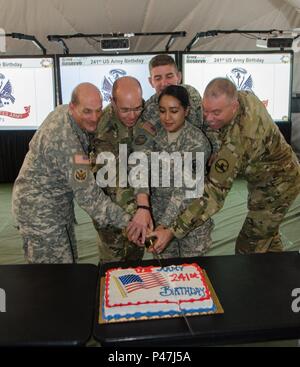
{"points": [[296, 302], [156, 169], [2, 300], [2, 40]]}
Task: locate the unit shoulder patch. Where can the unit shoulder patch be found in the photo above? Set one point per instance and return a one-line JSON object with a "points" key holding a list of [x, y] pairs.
{"points": [[223, 166], [80, 174]]}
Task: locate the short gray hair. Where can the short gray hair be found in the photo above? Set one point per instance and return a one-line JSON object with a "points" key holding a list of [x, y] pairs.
{"points": [[77, 89], [220, 86]]}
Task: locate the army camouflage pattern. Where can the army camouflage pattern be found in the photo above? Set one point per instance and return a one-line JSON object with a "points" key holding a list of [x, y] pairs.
{"points": [[168, 202], [253, 147], [112, 244], [55, 171], [146, 134]]}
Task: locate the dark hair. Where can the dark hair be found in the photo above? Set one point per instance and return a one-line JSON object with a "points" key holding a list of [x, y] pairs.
{"points": [[177, 91], [160, 60]]}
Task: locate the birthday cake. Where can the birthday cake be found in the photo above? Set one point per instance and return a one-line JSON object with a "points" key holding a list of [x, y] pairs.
{"points": [[153, 291]]}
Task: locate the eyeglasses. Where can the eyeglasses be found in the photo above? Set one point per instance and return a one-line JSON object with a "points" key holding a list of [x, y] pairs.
{"points": [[128, 110], [125, 110]]}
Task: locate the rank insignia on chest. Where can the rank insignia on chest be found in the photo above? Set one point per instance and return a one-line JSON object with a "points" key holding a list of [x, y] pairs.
{"points": [[140, 140], [80, 174]]}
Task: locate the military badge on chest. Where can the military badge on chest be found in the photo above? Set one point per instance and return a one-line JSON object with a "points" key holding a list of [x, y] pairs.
{"points": [[140, 140]]}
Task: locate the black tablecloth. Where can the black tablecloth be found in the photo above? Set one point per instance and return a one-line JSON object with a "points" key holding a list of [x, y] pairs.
{"points": [[254, 290], [47, 304]]}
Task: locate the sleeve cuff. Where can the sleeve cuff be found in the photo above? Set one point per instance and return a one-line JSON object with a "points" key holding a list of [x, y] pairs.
{"points": [[178, 231], [125, 220], [165, 223], [141, 190]]}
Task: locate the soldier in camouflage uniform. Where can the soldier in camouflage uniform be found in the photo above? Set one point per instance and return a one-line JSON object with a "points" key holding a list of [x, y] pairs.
{"points": [[55, 171], [175, 134], [117, 126], [164, 72], [252, 146]]}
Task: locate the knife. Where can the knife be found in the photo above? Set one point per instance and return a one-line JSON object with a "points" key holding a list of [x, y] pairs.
{"points": [[150, 242]]}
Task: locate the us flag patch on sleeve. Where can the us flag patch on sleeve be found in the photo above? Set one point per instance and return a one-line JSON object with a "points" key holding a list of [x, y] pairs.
{"points": [[81, 159], [150, 128]]}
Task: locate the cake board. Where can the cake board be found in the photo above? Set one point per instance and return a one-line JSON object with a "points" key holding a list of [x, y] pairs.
{"points": [[219, 308]]}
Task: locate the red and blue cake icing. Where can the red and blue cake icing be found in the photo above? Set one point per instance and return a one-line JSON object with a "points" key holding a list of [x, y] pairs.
{"points": [[156, 292]]}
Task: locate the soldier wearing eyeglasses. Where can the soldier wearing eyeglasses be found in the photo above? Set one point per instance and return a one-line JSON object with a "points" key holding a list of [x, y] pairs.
{"points": [[117, 126]]}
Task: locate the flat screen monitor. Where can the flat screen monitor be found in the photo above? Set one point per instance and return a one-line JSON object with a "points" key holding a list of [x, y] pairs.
{"points": [[267, 74], [102, 70], [27, 91]]}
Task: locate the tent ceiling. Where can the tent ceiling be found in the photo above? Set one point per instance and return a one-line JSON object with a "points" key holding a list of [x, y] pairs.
{"points": [[41, 18], [295, 4]]}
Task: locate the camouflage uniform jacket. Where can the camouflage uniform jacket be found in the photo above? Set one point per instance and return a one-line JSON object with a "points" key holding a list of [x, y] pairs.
{"points": [[167, 201], [109, 134], [55, 171], [251, 146]]}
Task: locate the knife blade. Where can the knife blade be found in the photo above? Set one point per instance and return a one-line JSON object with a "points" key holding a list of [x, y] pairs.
{"points": [[150, 242]]}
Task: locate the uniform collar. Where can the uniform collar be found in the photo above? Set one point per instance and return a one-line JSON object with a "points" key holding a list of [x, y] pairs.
{"points": [[164, 133], [83, 136], [119, 124]]}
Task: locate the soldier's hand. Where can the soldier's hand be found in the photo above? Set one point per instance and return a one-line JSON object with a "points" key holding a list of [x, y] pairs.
{"points": [[139, 225], [139, 242], [164, 236]]}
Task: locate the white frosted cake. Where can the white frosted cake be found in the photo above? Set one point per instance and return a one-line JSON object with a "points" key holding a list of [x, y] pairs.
{"points": [[144, 292]]}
